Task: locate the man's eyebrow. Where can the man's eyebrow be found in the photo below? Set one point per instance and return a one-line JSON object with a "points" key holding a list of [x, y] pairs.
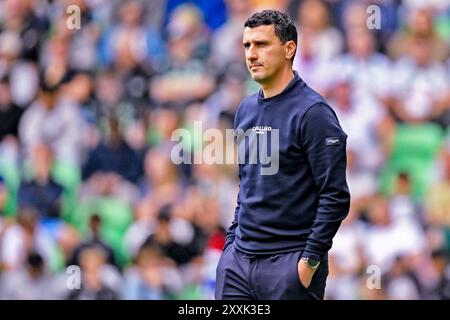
{"points": [[255, 41]]}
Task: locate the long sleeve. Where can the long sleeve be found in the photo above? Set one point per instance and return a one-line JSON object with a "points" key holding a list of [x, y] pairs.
{"points": [[324, 143]]}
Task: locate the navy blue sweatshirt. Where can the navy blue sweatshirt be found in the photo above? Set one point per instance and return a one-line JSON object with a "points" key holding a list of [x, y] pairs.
{"points": [[301, 206]]}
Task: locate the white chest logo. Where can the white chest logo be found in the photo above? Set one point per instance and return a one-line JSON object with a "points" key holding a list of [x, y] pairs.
{"points": [[261, 129]]}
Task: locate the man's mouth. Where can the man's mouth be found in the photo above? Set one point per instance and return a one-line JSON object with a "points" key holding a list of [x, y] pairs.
{"points": [[255, 66]]}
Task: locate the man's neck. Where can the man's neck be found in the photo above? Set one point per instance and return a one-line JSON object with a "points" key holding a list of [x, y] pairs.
{"points": [[278, 84]]}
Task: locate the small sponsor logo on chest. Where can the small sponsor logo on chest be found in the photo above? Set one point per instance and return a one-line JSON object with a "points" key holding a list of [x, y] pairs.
{"points": [[261, 129]]}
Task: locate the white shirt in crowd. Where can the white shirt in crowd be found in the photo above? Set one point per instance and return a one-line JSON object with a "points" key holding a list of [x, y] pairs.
{"points": [[61, 127]]}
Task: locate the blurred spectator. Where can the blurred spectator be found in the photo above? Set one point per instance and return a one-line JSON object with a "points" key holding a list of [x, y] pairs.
{"points": [[312, 69], [56, 61], [143, 225], [162, 123], [361, 183], [159, 187], [379, 247], [112, 167], [177, 238], [19, 17], [23, 75], [32, 281], [52, 121], [98, 281], [123, 45], [219, 194], [113, 155], [346, 258], [365, 68], [186, 78], [152, 277], [110, 101], [401, 202], [368, 123], [94, 240], [227, 40], [83, 41], [420, 24], [23, 237], [314, 19], [400, 282], [233, 84], [161, 177], [134, 52], [187, 22], [319, 43], [353, 16], [41, 192], [79, 93], [419, 89], [441, 290]]}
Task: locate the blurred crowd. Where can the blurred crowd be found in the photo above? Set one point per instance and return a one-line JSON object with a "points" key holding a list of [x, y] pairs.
{"points": [[87, 115]]}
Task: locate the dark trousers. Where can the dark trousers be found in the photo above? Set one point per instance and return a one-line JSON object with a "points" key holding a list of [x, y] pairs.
{"points": [[240, 276]]}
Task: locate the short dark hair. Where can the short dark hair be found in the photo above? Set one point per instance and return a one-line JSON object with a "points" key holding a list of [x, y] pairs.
{"points": [[284, 25]]}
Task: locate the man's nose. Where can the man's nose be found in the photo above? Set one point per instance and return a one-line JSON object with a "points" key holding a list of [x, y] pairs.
{"points": [[251, 54]]}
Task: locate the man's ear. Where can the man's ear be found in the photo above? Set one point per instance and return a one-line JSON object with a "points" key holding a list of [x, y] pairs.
{"points": [[290, 48]]}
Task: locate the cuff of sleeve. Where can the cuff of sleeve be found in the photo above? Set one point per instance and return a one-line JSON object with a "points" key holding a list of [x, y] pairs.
{"points": [[312, 255]]}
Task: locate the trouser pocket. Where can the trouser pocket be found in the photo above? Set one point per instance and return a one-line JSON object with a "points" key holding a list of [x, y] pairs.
{"points": [[310, 290]]}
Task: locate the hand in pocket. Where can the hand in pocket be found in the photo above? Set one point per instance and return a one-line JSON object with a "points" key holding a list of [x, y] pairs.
{"points": [[305, 274]]}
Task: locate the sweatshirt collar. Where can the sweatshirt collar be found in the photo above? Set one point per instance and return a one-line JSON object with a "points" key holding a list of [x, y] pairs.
{"points": [[296, 79]]}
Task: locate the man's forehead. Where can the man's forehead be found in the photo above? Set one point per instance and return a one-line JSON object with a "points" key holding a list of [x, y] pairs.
{"points": [[260, 32]]}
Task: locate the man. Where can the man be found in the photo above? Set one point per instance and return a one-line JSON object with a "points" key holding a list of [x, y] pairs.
{"points": [[41, 191], [30, 281], [54, 120], [277, 245]]}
